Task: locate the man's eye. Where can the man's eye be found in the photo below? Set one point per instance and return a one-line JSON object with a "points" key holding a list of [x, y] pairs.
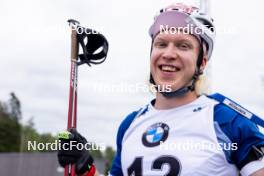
{"points": [[160, 44], [184, 46]]}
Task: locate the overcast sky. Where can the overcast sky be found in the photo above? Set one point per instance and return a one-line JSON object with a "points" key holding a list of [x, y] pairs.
{"points": [[35, 64]]}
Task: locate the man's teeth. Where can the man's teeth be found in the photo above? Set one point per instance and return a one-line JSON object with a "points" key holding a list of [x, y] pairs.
{"points": [[168, 68]]}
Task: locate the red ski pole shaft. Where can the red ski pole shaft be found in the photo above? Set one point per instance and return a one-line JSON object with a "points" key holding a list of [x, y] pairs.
{"points": [[72, 109]]}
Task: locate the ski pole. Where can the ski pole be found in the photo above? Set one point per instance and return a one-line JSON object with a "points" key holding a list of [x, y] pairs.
{"points": [[90, 55], [72, 109]]}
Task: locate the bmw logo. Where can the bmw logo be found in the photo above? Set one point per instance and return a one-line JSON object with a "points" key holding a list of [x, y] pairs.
{"points": [[155, 134]]}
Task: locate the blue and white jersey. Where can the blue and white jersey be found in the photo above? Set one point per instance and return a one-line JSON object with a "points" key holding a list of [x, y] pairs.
{"points": [[201, 138]]}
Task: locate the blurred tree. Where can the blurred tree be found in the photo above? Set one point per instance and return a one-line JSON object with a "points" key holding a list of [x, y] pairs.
{"points": [[15, 107], [95, 151], [14, 136], [29, 133], [3, 110], [9, 130], [109, 156]]}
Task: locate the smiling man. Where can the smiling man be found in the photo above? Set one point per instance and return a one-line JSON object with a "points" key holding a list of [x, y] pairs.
{"points": [[181, 132]]}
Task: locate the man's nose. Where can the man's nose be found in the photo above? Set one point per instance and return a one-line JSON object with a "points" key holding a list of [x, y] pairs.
{"points": [[170, 52]]}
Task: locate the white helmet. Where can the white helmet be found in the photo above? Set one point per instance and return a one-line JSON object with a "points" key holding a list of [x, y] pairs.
{"points": [[182, 16]]}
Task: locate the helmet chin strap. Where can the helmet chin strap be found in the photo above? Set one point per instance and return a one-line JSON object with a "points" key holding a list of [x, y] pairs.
{"points": [[182, 91]]}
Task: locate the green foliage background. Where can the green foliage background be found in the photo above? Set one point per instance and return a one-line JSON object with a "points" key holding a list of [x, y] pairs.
{"points": [[14, 135]]}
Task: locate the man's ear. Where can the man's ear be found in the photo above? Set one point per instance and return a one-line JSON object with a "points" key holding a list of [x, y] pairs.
{"points": [[205, 58], [204, 63]]}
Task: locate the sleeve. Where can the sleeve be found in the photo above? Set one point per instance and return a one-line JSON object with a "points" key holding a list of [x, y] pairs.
{"points": [[116, 169], [250, 142], [116, 166], [252, 167], [238, 127]]}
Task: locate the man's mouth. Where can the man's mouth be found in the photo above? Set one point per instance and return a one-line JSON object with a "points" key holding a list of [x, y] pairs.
{"points": [[169, 68]]}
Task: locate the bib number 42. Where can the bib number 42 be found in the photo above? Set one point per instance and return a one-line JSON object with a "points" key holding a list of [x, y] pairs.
{"points": [[135, 169]]}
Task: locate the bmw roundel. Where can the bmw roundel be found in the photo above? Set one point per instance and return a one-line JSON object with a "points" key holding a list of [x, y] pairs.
{"points": [[155, 134]]}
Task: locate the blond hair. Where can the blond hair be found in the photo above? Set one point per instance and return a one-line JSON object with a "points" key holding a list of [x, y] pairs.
{"points": [[203, 83]]}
